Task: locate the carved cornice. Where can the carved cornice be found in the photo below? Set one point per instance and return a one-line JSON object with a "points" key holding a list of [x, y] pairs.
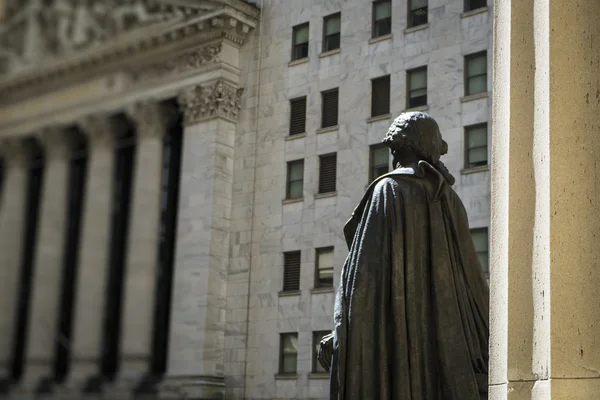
{"points": [[101, 130], [152, 119], [221, 99]]}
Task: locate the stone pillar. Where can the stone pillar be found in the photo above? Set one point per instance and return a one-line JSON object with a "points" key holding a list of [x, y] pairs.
{"points": [[15, 154], [90, 294], [545, 197], [196, 349], [49, 258], [152, 122]]}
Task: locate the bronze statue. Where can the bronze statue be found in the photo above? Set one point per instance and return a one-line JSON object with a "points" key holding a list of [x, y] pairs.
{"points": [[411, 312]]}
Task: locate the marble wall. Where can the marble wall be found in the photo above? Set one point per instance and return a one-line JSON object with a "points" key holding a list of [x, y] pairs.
{"points": [[264, 225]]}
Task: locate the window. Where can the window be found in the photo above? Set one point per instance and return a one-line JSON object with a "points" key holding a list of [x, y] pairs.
{"points": [[324, 268], [295, 179], [327, 173], [382, 18], [474, 4], [417, 12], [288, 353], [291, 271], [476, 145], [300, 42], [331, 32], [298, 116], [480, 240], [316, 365], [380, 96], [379, 160], [330, 108], [417, 87], [476, 73]]}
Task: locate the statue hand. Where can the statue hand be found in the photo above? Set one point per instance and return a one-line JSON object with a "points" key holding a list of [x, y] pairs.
{"points": [[325, 353]]}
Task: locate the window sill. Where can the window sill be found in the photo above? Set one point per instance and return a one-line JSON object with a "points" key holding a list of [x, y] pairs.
{"points": [[380, 38], [329, 53], [328, 129], [318, 375], [472, 97], [379, 118], [420, 108], [296, 136], [289, 293], [290, 201], [473, 170], [298, 62], [325, 195], [476, 11], [416, 28], [321, 290], [286, 377]]}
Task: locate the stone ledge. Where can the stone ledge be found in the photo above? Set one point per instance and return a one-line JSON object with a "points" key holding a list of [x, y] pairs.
{"points": [[476, 96], [322, 290], [472, 170], [330, 53], [328, 129], [379, 118], [380, 38], [298, 62], [476, 11], [416, 28], [296, 136]]}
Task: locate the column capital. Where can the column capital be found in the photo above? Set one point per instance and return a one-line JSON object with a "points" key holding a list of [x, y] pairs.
{"points": [[55, 141], [100, 130], [220, 99], [15, 151], [152, 118]]}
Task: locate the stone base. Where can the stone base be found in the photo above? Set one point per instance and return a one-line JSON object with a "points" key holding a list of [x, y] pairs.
{"points": [[200, 387]]}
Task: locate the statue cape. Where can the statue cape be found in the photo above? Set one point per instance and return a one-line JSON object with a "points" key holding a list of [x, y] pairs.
{"points": [[411, 311]]}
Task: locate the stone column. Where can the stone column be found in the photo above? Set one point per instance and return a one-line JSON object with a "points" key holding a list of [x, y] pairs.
{"points": [[15, 154], [93, 263], [152, 121], [196, 349], [545, 197], [49, 258]]}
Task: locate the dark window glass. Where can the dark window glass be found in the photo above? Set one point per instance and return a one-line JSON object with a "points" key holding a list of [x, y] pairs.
{"points": [[417, 87], [474, 4], [330, 101], [331, 32], [298, 116], [380, 161], [35, 180], [382, 18], [291, 271], [324, 268], [480, 240], [288, 354], [300, 42], [316, 365], [476, 73], [327, 173], [476, 145], [417, 12], [295, 179], [380, 96]]}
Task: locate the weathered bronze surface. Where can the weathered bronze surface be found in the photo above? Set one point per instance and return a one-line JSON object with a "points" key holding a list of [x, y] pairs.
{"points": [[411, 312]]}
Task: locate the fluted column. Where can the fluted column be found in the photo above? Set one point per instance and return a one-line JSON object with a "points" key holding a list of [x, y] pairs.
{"points": [[152, 121], [90, 297], [15, 154], [49, 257]]}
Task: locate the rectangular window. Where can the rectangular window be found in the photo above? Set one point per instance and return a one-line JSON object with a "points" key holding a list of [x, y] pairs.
{"points": [[379, 160], [474, 4], [476, 145], [324, 268], [295, 179], [300, 42], [316, 365], [288, 353], [417, 12], [476, 73], [330, 99], [382, 18], [480, 240], [298, 116], [417, 87], [291, 271], [331, 32], [327, 173], [380, 96]]}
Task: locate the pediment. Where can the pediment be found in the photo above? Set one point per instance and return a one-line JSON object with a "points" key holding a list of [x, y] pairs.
{"points": [[41, 40]]}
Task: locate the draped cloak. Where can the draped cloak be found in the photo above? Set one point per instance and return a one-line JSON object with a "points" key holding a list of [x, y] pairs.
{"points": [[411, 311]]}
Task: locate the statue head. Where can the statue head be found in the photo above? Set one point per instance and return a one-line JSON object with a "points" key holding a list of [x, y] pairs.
{"points": [[416, 136]]}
